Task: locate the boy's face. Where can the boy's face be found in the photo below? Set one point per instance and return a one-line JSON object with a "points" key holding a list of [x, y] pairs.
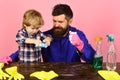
{"points": [[31, 29]]}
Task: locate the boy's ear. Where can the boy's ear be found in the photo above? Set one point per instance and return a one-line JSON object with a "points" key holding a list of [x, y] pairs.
{"points": [[70, 21], [24, 25]]}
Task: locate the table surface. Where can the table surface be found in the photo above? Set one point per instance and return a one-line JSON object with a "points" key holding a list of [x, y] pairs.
{"points": [[66, 71]]}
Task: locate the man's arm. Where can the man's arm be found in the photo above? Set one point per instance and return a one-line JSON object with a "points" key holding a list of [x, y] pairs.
{"points": [[79, 40], [88, 51], [14, 56]]}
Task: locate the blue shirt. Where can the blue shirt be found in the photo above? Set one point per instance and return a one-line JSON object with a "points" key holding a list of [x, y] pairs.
{"points": [[61, 50]]}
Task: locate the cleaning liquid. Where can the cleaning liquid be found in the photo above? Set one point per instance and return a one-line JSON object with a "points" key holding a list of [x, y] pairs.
{"points": [[111, 54], [98, 58]]}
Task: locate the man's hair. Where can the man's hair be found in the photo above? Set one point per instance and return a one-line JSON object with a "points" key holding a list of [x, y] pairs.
{"points": [[62, 9], [32, 18]]}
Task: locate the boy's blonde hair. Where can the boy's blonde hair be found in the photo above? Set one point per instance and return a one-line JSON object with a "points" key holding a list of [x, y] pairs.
{"points": [[32, 18]]}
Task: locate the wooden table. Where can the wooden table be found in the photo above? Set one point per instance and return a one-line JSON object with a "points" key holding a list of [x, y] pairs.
{"points": [[66, 71]]}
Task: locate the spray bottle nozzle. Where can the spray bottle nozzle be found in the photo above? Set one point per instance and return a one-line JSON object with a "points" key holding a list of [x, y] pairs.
{"points": [[110, 37], [98, 41]]}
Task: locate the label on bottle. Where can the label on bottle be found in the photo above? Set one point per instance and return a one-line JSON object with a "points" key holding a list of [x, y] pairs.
{"points": [[97, 63], [111, 61]]}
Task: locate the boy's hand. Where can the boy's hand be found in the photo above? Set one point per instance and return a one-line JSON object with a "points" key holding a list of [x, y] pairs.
{"points": [[75, 40], [47, 40]]}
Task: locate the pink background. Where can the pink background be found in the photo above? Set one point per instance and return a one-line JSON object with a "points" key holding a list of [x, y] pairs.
{"points": [[94, 17]]}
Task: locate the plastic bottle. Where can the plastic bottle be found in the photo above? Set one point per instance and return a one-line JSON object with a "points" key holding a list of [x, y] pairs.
{"points": [[98, 58], [111, 54], [43, 45]]}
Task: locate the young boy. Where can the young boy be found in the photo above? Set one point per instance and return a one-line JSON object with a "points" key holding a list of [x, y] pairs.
{"points": [[30, 36]]}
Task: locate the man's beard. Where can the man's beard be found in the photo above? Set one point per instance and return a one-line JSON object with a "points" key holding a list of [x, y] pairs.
{"points": [[60, 32]]}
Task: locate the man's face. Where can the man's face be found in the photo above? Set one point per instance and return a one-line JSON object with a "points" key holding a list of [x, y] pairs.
{"points": [[60, 25]]}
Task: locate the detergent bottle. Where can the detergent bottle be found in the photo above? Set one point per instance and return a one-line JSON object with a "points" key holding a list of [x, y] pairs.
{"points": [[98, 58], [111, 54]]}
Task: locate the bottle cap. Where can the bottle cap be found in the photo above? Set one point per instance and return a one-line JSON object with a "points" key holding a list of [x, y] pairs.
{"points": [[110, 37], [98, 40]]}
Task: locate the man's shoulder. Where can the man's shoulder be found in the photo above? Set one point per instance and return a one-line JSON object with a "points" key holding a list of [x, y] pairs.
{"points": [[50, 31], [74, 29]]}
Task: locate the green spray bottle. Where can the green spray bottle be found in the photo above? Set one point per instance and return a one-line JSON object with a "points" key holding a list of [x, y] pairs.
{"points": [[98, 58]]}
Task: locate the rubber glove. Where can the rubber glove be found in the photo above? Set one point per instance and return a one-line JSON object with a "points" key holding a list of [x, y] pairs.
{"points": [[12, 71], [75, 40], [42, 75], [6, 60], [3, 75]]}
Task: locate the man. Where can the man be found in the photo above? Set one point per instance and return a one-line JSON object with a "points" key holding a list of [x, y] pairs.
{"points": [[69, 44]]}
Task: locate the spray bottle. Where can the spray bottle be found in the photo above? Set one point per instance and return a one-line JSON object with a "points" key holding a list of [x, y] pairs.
{"points": [[111, 54], [41, 45], [98, 58]]}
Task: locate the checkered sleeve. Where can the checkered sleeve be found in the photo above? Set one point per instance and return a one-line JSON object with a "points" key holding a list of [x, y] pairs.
{"points": [[20, 37], [43, 36]]}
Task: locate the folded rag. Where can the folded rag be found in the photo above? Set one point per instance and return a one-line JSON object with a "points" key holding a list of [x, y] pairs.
{"points": [[43, 75], [109, 75], [12, 71]]}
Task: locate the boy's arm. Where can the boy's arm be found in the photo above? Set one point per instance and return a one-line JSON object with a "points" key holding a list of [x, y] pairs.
{"points": [[32, 41], [22, 38]]}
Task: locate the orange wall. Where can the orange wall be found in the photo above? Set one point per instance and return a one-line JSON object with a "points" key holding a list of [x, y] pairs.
{"points": [[94, 17]]}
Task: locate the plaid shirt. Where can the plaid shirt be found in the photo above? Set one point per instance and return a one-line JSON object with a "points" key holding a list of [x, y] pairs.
{"points": [[28, 52]]}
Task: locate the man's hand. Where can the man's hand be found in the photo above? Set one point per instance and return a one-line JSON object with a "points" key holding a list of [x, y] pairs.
{"points": [[47, 40], [75, 40]]}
